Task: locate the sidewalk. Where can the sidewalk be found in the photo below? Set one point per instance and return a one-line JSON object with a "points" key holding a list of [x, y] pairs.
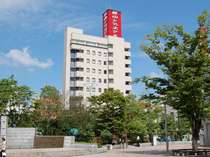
{"points": [[51, 152], [146, 151]]}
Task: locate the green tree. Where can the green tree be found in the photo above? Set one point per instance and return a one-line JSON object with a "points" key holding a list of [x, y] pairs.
{"points": [[152, 114], [109, 109], [135, 123], [117, 114], [47, 110], [185, 61], [15, 102], [78, 117], [183, 127], [51, 93]]}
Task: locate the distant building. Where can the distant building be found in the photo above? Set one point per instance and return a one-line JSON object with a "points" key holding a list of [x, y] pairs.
{"points": [[94, 64], [205, 133]]}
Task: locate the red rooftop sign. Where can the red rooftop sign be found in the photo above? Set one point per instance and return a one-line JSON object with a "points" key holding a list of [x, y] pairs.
{"points": [[112, 23]]}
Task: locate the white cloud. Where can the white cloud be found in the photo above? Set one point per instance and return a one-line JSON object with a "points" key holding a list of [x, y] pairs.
{"points": [[49, 15], [22, 57], [20, 5]]}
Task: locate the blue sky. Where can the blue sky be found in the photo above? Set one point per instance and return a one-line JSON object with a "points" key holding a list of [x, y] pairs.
{"points": [[31, 33]]}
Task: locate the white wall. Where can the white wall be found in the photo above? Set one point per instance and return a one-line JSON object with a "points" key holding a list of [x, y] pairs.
{"points": [[20, 137]]}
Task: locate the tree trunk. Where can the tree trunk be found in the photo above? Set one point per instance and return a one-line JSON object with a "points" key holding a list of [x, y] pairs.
{"points": [[151, 139], [196, 126], [194, 144], [126, 140]]}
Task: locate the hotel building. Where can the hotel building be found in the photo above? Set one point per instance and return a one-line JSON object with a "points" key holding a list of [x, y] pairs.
{"points": [[94, 64]]}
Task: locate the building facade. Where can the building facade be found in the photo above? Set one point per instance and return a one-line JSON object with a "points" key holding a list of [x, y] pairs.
{"points": [[94, 64], [205, 133]]}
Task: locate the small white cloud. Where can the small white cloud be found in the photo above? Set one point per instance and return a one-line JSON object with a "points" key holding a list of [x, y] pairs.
{"points": [[22, 57]]}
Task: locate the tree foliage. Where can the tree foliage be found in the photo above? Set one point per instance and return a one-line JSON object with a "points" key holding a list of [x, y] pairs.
{"points": [[117, 114], [152, 114], [14, 101], [185, 61], [109, 109], [47, 109]]}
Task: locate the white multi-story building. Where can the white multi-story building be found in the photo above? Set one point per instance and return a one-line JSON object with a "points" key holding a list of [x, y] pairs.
{"points": [[94, 64]]}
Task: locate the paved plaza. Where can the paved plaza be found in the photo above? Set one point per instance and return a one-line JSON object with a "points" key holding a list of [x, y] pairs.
{"points": [[147, 151]]}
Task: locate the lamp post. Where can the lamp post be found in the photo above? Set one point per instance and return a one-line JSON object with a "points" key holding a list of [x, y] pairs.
{"points": [[166, 129]]}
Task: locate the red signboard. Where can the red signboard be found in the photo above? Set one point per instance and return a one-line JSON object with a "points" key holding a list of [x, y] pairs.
{"points": [[112, 23]]}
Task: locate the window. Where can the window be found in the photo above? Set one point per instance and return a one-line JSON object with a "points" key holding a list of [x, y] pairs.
{"points": [[111, 80], [77, 69], [94, 71], [94, 61], [110, 62], [73, 55], [105, 72], [127, 83], [104, 80], [127, 92], [93, 80], [76, 88], [77, 59], [126, 49], [105, 54], [127, 65], [110, 45], [87, 52], [99, 62], [104, 62], [110, 54], [99, 53], [87, 79], [127, 74], [76, 78], [87, 60], [93, 53], [99, 80], [111, 71], [76, 51], [87, 70], [88, 89], [93, 89], [99, 90], [99, 71], [127, 57]]}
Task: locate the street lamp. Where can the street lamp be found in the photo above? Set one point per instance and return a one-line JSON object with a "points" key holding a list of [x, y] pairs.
{"points": [[166, 129]]}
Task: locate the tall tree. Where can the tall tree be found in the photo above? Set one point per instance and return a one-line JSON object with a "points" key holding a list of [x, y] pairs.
{"points": [[184, 59], [47, 110], [15, 100], [109, 109], [152, 114], [117, 115], [50, 93]]}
